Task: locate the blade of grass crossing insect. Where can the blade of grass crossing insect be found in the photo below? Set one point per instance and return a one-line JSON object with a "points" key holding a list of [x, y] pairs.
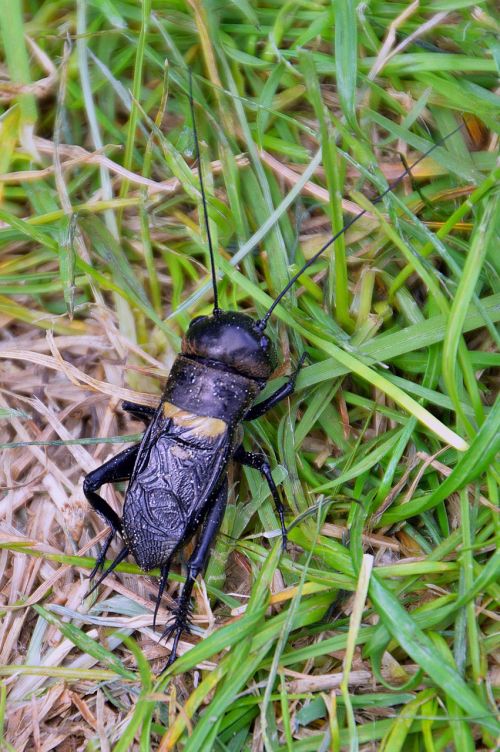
{"points": [[232, 633], [480, 243], [223, 638], [419, 646], [352, 636]]}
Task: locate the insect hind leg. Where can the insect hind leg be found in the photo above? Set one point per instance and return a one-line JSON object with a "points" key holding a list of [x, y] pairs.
{"points": [[116, 469], [196, 564]]}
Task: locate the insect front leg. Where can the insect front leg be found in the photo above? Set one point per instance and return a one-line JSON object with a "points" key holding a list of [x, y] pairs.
{"points": [[196, 564], [142, 412], [259, 462], [280, 394], [114, 470]]}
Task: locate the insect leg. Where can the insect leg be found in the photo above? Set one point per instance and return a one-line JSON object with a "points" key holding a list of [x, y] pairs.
{"points": [[143, 412], [259, 462], [163, 581], [116, 469], [284, 391], [196, 563], [120, 557]]}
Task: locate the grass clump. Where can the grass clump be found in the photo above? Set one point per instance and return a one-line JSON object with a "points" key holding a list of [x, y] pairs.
{"points": [[386, 451]]}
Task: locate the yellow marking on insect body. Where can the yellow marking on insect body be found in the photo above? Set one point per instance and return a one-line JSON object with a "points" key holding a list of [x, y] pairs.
{"points": [[202, 425]]}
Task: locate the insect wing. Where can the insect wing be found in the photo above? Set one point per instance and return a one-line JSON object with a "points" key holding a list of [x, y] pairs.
{"points": [[178, 467]]}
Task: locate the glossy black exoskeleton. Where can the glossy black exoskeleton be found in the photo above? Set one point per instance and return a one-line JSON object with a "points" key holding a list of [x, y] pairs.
{"points": [[177, 473]]}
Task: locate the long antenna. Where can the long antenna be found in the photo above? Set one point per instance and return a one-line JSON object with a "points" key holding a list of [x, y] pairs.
{"points": [[263, 322], [203, 197]]}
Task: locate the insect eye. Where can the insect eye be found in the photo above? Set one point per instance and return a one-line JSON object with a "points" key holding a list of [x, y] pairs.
{"points": [[264, 342]]}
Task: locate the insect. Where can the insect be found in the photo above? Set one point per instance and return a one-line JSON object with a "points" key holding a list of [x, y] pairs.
{"points": [[177, 479]]}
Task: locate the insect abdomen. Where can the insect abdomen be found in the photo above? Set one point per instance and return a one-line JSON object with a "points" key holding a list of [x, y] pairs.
{"points": [[182, 458]]}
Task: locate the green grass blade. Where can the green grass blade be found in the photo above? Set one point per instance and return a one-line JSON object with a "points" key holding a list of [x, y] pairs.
{"points": [[416, 643]]}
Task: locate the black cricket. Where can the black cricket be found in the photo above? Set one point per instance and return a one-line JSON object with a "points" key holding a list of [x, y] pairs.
{"points": [[177, 473]]}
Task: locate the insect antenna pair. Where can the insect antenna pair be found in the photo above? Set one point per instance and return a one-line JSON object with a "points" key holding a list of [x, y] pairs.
{"points": [[262, 323]]}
